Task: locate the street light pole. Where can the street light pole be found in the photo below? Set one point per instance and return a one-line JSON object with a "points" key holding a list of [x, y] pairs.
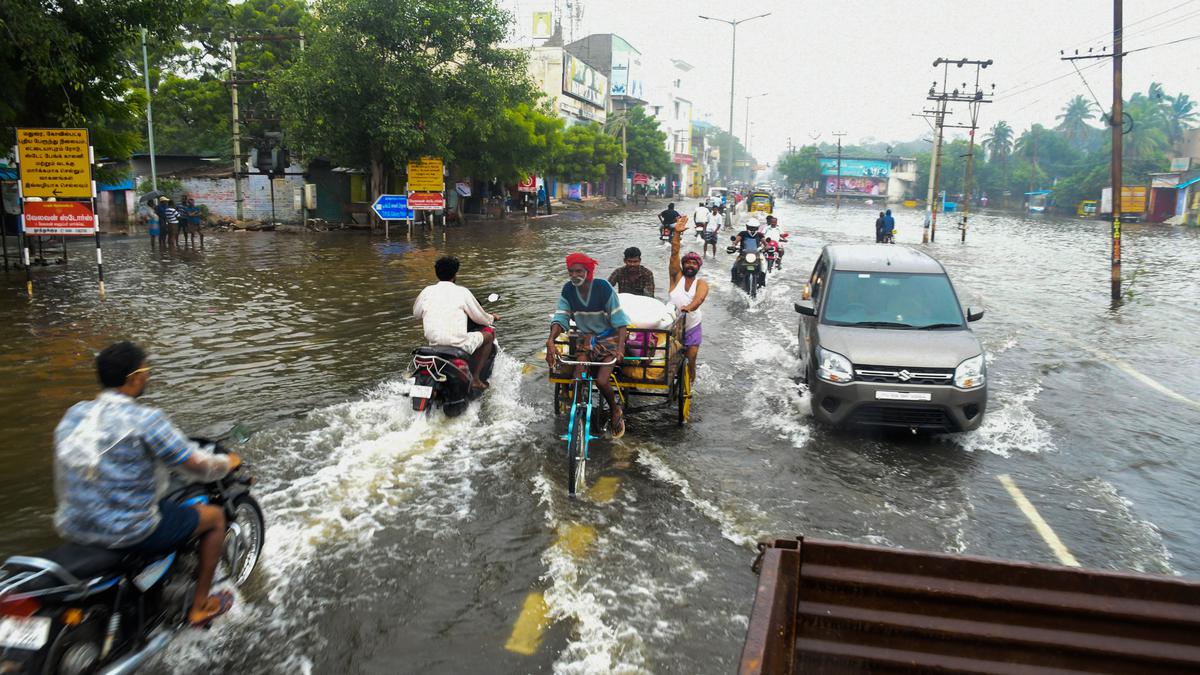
{"points": [[149, 114], [747, 136], [732, 80]]}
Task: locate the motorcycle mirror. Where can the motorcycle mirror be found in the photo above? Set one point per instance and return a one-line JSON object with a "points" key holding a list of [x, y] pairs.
{"points": [[493, 297]]}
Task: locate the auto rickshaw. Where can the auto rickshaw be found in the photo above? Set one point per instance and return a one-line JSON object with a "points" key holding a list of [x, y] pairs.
{"points": [[761, 201]]}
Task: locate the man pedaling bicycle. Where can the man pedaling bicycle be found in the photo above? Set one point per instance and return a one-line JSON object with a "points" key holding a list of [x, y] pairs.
{"points": [[601, 323]]}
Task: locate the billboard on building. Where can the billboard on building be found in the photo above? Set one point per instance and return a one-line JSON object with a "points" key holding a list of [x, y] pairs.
{"points": [[626, 78], [583, 82], [542, 25], [866, 187], [867, 168]]}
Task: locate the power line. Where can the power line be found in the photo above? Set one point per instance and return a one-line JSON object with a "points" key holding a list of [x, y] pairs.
{"points": [[1163, 44], [1125, 32]]}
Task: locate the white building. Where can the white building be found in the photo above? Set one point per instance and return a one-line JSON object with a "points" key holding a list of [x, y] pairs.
{"points": [[673, 109]]}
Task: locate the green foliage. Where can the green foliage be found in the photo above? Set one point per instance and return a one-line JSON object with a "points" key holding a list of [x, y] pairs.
{"points": [[67, 63], [385, 81], [801, 166], [586, 151], [645, 142], [721, 138], [524, 140]]}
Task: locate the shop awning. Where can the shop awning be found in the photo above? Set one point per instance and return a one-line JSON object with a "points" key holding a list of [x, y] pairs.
{"points": [[1183, 185]]}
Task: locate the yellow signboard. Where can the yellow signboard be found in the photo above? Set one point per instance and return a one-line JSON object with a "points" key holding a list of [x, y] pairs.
{"points": [[54, 163], [425, 175]]}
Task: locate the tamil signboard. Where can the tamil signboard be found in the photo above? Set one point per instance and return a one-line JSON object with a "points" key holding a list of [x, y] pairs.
{"points": [[425, 175], [426, 201], [864, 168], [583, 81], [681, 158], [527, 184], [59, 219], [55, 163], [392, 207], [641, 179]]}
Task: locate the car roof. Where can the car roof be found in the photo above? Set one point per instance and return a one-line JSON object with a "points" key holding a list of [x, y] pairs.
{"points": [[881, 258]]}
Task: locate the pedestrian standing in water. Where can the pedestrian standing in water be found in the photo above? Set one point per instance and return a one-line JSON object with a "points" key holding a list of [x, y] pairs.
{"points": [[879, 228], [889, 225]]}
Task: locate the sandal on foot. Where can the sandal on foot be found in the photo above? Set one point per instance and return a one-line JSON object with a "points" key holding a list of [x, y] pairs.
{"points": [[205, 617], [617, 425]]}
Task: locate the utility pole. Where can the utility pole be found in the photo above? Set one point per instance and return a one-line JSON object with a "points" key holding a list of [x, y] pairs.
{"points": [[149, 115], [732, 81], [747, 132], [1116, 121], [939, 117], [973, 98], [237, 128], [838, 189]]}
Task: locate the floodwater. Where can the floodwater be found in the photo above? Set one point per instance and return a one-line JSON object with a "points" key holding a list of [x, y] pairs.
{"points": [[399, 543]]}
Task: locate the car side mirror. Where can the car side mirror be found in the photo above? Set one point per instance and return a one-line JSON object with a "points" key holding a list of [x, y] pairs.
{"points": [[974, 316], [805, 307]]}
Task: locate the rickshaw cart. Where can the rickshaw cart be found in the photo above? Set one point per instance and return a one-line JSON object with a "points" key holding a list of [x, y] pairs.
{"points": [[656, 370]]}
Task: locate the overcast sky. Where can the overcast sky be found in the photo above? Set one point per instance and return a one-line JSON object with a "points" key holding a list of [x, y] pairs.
{"points": [[864, 66]]}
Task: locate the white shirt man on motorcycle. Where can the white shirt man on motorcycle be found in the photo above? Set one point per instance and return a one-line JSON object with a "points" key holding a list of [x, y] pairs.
{"points": [[444, 309]]}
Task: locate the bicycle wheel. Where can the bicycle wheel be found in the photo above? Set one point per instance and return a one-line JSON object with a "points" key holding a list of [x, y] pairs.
{"points": [[578, 441], [684, 394]]}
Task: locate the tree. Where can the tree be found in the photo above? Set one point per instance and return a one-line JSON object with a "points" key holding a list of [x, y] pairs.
{"points": [[645, 142], [525, 140], [999, 141], [586, 153], [68, 64], [1074, 119], [384, 81], [1181, 115], [802, 166]]}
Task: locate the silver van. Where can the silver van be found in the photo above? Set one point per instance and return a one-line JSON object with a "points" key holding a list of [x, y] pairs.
{"points": [[884, 342]]}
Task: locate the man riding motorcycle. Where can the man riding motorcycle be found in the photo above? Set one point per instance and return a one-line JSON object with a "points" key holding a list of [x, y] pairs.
{"points": [[775, 235], [749, 240], [112, 457], [445, 308]]}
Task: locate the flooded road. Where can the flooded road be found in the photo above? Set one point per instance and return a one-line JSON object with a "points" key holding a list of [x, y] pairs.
{"points": [[399, 543]]}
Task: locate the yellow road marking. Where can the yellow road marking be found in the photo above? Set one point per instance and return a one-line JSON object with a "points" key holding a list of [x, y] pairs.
{"points": [[605, 489], [531, 624], [576, 539], [1043, 528], [1130, 371]]}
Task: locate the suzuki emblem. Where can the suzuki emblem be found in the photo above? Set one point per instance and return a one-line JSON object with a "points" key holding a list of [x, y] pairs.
{"points": [[905, 376]]}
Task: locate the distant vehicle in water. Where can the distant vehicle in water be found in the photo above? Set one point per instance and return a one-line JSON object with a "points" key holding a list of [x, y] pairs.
{"points": [[1087, 208], [720, 194], [1037, 201], [761, 201], [885, 343]]}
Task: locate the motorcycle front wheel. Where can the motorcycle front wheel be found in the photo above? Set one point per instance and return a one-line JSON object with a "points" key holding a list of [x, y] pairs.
{"points": [[244, 537]]}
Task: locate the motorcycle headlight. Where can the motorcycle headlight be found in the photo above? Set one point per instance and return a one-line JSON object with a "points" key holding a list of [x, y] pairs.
{"points": [[833, 367], [750, 257], [971, 373]]}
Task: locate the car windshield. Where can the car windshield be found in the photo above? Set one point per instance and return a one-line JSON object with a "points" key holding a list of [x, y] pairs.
{"points": [[892, 300]]}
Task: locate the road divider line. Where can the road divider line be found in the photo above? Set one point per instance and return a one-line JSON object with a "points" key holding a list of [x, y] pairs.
{"points": [[1043, 528], [604, 489], [530, 626], [1129, 370], [576, 539]]}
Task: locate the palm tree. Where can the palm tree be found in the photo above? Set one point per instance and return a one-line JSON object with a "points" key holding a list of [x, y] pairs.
{"points": [[1073, 121], [1181, 114], [999, 141], [1148, 140]]}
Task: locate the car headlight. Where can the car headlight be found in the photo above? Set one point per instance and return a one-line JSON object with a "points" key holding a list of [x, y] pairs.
{"points": [[970, 374], [750, 257], [833, 367]]}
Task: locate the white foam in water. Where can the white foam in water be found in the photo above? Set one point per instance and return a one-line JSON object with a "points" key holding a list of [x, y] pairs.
{"points": [[372, 463], [730, 528], [1009, 425], [1143, 538]]}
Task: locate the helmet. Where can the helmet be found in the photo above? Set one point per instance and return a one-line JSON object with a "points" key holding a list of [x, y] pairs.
{"points": [[752, 225]]}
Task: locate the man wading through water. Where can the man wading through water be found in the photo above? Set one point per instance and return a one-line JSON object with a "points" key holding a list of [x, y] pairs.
{"points": [[601, 324], [632, 277], [687, 294]]}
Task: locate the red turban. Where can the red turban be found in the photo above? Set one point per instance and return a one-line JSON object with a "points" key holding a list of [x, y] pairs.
{"points": [[581, 259], [692, 255]]}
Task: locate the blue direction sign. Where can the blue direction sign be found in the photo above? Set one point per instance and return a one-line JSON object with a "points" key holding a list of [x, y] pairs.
{"points": [[392, 207]]}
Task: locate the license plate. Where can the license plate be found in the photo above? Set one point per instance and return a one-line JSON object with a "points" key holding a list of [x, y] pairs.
{"points": [[903, 396], [418, 391], [24, 632]]}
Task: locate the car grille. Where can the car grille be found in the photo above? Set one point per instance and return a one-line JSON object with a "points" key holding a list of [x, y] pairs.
{"points": [[897, 375], [902, 416]]}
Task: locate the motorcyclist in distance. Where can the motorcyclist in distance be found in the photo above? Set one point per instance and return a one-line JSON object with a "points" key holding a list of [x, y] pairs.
{"points": [[749, 240]]}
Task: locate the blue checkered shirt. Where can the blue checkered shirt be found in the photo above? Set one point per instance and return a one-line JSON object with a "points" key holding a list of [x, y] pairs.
{"points": [[111, 460]]}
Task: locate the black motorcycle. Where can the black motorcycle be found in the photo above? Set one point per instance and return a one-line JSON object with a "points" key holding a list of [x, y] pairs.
{"points": [[748, 272], [77, 610], [442, 376], [665, 232]]}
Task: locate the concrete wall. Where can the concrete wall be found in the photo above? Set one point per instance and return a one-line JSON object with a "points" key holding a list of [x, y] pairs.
{"points": [[218, 195]]}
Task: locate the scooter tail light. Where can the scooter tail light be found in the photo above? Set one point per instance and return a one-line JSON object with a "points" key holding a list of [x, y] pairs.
{"points": [[17, 605]]}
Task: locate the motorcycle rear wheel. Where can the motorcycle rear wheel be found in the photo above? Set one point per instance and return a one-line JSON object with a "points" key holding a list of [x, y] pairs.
{"points": [[247, 546]]}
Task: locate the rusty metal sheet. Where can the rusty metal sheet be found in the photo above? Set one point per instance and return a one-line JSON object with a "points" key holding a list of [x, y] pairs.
{"points": [[842, 607]]}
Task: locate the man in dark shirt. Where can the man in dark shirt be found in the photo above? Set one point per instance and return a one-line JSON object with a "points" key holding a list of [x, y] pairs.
{"points": [[632, 277], [669, 216]]}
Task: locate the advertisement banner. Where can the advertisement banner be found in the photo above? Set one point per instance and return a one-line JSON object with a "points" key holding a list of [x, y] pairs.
{"points": [[59, 219], [626, 70], [542, 25], [680, 158], [527, 184], [425, 175], [575, 191], [869, 187], [867, 168], [583, 81], [641, 179]]}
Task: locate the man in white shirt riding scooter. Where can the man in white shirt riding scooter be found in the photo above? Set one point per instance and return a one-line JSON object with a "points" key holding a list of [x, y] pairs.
{"points": [[444, 309]]}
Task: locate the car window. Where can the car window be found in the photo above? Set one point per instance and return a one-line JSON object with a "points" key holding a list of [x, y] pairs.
{"points": [[817, 280], [891, 300]]}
